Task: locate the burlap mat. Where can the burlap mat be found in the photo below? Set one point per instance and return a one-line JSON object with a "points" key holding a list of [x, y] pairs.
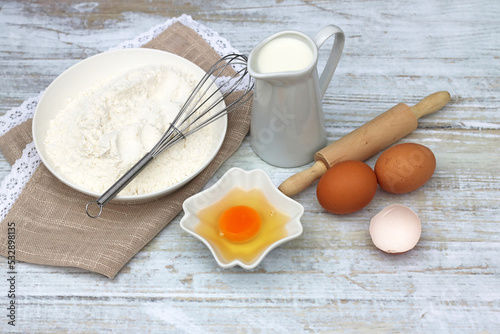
{"points": [[51, 225]]}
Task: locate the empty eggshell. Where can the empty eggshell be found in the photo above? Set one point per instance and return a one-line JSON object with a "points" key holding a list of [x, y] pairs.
{"points": [[395, 229]]}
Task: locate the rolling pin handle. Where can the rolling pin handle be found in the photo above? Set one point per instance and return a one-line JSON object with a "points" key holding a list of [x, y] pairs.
{"points": [[431, 104], [300, 181]]}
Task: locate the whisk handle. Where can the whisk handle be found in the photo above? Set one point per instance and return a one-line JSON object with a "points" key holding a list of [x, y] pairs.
{"points": [[119, 185]]}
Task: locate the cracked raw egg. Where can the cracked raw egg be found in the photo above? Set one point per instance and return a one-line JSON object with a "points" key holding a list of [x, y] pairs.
{"points": [[242, 225]]}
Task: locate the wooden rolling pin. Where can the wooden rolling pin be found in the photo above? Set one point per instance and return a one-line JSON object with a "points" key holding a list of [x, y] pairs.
{"points": [[367, 140]]}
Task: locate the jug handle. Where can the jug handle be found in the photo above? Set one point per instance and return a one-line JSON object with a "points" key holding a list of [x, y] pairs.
{"points": [[331, 64]]}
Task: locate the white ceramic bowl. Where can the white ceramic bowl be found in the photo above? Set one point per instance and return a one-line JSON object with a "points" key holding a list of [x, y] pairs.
{"points": [[89, 72], [246, 180]]}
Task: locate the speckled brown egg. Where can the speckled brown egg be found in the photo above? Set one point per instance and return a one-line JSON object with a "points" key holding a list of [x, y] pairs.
{"points": [[404, 168]]}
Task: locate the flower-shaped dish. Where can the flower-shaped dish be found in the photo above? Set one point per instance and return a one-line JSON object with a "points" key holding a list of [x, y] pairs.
{"points": [[245, 182]]}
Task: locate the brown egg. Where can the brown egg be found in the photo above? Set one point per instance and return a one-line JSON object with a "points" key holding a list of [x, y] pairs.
{"points": [[404, 167], [346, 187]]}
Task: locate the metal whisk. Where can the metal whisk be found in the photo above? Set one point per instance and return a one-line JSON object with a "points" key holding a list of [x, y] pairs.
{"points": [[200, 110]]}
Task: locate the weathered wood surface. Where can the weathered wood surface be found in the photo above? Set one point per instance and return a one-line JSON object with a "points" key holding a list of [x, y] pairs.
{"points": [[332, 278]]}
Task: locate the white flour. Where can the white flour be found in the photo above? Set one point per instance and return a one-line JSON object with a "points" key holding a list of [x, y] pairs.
{"points": [[103, 132]]}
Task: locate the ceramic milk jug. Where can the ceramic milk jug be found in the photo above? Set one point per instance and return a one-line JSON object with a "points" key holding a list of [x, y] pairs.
{"points": [[287, 125]]}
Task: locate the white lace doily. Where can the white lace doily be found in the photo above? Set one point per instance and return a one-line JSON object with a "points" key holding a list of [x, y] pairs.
{"points": [[24, 167]]}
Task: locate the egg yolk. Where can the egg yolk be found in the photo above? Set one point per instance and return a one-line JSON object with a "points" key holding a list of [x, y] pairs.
{"points": [[239, 224]]}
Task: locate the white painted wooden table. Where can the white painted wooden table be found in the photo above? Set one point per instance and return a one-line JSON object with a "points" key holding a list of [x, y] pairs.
{"points": [[332, 278]]}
